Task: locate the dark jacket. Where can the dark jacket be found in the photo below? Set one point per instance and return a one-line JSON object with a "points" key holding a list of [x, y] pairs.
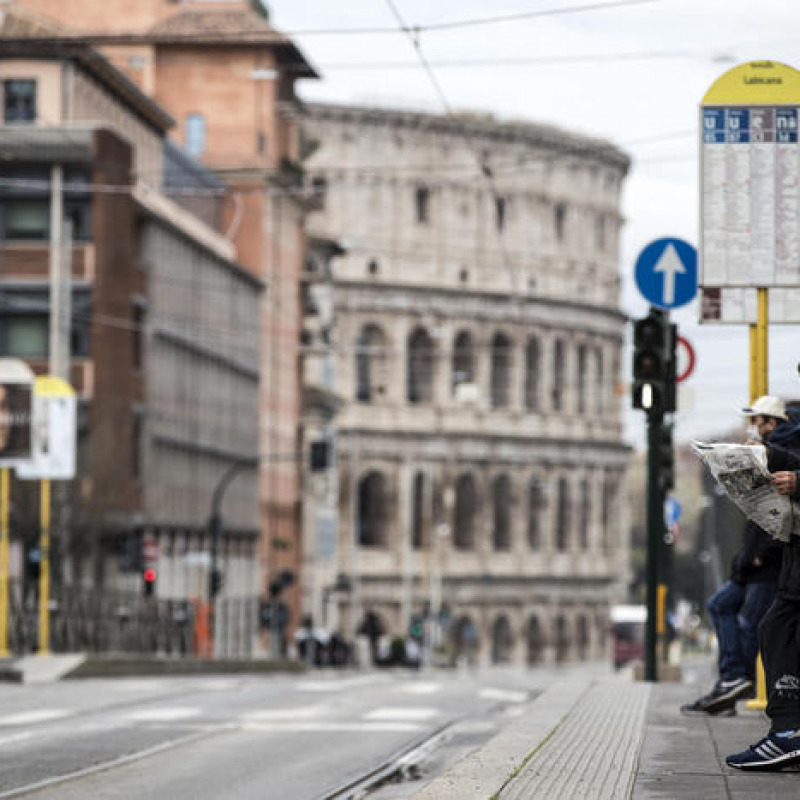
{"points": [[757, 545], [784, 457]]}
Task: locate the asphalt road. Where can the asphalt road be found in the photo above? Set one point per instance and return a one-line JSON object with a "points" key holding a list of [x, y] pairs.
{"points": [[288, 738]]}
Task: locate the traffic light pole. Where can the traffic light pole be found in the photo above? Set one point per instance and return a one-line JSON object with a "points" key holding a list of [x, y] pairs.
{"points": [[655, 537]]}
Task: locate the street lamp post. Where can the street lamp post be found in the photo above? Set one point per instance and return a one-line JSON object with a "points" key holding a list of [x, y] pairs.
{"points": [[215, 530]]}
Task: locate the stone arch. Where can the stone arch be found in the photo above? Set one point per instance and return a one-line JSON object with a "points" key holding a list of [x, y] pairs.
{"points": [[502, 641], [465, 512], [535, 642], [536, 503], [582, 641], [465, 638], [559, 374], [463, 359], [418, 511], [501, 512], [372, 351], [581, 378], [563, 509], [372, 505], [421, 364], [561, 638], [533, 358], [500, 370], [585, 519]]}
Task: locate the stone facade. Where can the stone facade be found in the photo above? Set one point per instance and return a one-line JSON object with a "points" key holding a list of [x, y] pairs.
{"points": [[481, 464]]}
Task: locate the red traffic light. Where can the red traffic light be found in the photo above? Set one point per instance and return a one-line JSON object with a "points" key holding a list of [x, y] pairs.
{"points": [[149, 575]]}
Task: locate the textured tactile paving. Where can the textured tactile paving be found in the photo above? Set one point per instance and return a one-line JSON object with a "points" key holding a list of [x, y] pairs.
{"points": [[593, 752]]}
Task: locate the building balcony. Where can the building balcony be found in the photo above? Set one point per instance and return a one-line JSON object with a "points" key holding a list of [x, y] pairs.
{"points": [[81, 375], [30, 261]]}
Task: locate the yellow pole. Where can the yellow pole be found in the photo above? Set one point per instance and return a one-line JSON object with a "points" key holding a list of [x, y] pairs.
{"points": [[44, 571], [4, 562], [759, 385]]}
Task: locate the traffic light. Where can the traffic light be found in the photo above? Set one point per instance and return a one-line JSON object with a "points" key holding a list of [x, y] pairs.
{"points": [[149, 581], [650, 353], [320, 456], [666, 460], [215, 582]]}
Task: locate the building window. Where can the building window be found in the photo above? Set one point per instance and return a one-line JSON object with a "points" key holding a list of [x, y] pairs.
{"points": [[500, 212], [136, 446], [560, 221], [463, 360], [26, 220], [373, 268], [600, 232], [319, 187], [501, 501], [371, 362], [417, 513], [586, 513], [532, 375], [372, 510], [466, 506], [24, 335], [559, 366], [581, 377], [421, 365], [195, 134], [139, 318], [500, 371], [423, 202], [599, 380], [19, 100], [535, 512], [562, 515]]}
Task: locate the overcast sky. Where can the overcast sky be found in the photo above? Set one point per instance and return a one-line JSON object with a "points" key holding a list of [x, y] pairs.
{"points": [[634, 74]]}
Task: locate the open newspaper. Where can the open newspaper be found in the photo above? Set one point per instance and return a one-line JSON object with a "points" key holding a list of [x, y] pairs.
{"points": [[741, 470]]}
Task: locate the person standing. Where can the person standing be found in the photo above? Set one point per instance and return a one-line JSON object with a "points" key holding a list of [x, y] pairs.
{"points": [[779, 638], [738, 607]]}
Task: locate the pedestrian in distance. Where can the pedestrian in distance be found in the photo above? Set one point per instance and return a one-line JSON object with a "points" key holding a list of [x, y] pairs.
{"points": [[738, 607], [779, 639]]}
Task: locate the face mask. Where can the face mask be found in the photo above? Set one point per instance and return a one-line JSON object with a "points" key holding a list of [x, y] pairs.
{"points": [[753, 434]]}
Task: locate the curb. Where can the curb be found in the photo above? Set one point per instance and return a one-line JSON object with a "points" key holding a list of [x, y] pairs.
{"points": [[484, 772], [158, 667]]}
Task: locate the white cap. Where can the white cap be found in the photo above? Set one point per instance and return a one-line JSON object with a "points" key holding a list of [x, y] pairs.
{"points": [[767, 406]]}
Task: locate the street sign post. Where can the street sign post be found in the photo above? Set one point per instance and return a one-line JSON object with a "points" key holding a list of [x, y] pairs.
{"points": [[666, 273]]}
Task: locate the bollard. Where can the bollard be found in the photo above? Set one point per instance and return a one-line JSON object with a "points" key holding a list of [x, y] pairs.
{"points": [[760, 700]]}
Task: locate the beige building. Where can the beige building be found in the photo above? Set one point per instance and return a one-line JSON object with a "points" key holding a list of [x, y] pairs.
{"points": [[481, 462]]}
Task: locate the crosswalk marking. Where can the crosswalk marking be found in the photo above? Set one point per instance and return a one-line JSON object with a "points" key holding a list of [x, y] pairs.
{"points": [[504, 695], [162, 714], [396, 714], [32, 717], [420, 687], [15, 737], [289, 714]]}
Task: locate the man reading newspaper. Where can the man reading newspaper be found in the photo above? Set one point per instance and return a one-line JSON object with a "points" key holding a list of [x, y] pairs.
{"points": [[737, 608], [779, 635]]}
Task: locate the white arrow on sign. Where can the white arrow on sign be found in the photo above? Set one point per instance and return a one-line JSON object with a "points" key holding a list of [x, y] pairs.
{"points": [[671, 265]]}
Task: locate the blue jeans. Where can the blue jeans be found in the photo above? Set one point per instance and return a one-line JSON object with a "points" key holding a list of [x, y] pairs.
{"points": [[736, 611]]}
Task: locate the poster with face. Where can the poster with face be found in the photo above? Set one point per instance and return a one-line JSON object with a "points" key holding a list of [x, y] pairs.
{"points": [[16, 405]]}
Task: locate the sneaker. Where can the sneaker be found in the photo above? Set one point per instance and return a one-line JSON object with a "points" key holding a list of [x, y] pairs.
{"points": [[721, 699], [774, 752]]}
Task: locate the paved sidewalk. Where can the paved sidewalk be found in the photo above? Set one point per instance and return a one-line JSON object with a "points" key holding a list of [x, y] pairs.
{"points": [[610, 738]]}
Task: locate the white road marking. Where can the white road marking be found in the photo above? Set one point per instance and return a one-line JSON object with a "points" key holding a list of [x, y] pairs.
{"points": [[15, 737], [288, 714], [401, 713], [420, 688], [32, 717], [504, 695], [162, 714], [339, 684], [331, 727]]}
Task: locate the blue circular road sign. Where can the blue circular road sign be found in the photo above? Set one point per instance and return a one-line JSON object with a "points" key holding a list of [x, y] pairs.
{"points": [[666, 273]]}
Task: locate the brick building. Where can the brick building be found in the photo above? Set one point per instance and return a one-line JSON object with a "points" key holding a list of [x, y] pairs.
{"points": [[165, 336], [227, 78]]}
